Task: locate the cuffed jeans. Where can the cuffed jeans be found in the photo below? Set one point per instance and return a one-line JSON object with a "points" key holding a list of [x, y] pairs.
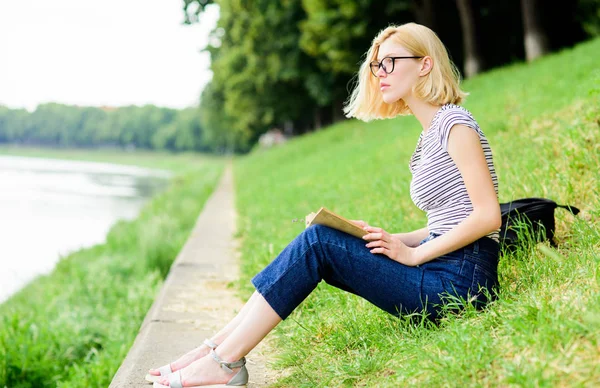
{"points": [[342, 260]]}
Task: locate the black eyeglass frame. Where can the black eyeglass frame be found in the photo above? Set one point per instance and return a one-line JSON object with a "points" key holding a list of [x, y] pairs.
{"points": [[380, 64]]}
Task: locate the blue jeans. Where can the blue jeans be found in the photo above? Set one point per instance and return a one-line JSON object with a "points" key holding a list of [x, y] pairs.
{"points": [[342, 260]]}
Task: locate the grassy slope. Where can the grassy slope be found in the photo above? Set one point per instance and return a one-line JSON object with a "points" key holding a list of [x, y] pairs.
{"points": [[542, 122], [74, 327]]}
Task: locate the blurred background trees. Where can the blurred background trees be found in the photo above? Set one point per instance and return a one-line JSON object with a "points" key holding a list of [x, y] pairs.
{"points": [[290, 64], [66, 126]]}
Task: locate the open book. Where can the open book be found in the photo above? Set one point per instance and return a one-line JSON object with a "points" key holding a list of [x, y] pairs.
{"points": [[326, 217]]}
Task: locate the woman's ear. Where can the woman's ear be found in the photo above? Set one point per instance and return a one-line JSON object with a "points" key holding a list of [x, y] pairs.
{"points": [[426, 65]]}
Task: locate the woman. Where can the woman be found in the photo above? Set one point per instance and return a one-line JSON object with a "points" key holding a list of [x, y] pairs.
{"points": [[407, 71]]}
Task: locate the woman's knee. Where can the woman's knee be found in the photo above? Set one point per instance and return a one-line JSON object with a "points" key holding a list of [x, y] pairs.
{"points": [[321, 233], [322, 242]]}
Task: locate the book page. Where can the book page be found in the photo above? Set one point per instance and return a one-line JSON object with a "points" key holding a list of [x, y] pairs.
{"points": [[328, 218]]}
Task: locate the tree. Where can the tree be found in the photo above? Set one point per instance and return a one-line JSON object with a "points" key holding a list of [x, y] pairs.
{"points": [[262, 80], [220, 134], [424, 11], [473, 61], [536, 42], [588, 15], [329, 34], [337, 34], [193, 8]]}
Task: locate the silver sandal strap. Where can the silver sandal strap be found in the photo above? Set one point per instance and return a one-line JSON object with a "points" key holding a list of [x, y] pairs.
{"points": [[208, 342], [165, 370], [175, 379], [228, 365]]}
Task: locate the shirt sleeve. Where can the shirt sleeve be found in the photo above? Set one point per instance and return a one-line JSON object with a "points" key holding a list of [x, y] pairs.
{"points": [[451, 118]]}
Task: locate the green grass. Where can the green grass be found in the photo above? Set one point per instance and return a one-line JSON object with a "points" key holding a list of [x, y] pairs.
{"points": [[74, 327], [543, 124]]}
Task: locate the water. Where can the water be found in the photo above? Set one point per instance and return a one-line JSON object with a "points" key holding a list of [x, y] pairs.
{"points": [[49, 208]]}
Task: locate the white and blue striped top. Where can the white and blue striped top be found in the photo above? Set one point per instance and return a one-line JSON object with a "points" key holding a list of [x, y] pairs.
{"points": [[437, 186]]}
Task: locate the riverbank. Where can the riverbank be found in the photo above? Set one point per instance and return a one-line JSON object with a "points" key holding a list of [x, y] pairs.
{"points": [[74, 326], [63, 205], [175, 162]]}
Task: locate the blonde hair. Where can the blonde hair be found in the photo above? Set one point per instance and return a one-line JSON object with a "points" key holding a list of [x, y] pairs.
{"points": [[440, 86]]}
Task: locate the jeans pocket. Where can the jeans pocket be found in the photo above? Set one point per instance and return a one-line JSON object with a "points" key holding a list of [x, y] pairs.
{"points": [[454, 287], [484, 280], [454, 294], [452, 262]]}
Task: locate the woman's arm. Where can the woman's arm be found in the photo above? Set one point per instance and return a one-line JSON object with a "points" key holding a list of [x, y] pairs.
{"points": [[412, 239], [465, 149]]}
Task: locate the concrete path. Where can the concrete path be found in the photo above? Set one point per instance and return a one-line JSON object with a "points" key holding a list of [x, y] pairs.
{"points": [[194, 302]]}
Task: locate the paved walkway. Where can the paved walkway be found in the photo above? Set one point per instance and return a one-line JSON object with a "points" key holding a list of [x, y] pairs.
{"points": [[194, 302]]}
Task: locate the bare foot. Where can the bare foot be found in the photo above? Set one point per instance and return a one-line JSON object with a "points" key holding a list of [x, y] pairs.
{"points": [[186, 359], [204, 371]]}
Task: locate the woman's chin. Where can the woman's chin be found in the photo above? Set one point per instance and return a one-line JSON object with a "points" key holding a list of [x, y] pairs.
{"points": [[389, 99]]}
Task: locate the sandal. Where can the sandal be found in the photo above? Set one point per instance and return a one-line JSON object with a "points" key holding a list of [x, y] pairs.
{"points": [[166, 369], [239, 380]]}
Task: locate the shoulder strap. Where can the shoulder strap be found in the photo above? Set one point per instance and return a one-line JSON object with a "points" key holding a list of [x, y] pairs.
{"points": [[570, 208], [528, 203]]}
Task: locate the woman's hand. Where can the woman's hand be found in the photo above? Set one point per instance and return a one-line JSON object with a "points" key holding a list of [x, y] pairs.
{"points": [[360, 223], [383, 242]]}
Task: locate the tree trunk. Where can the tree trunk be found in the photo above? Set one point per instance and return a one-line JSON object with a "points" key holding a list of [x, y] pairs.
{"points": [[317, 118], [424, 13], [536, 43], [338, 113], [288, 128], [473, 62]]}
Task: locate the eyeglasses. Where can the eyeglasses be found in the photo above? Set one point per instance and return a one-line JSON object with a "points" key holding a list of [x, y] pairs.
{"points": [[386, 63]]}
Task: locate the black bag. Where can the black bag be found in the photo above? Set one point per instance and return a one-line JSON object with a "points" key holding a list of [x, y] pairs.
{"points": [[531, 214]]}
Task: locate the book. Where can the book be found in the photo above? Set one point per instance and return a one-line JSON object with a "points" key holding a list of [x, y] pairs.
{"points": [[326, 217]]}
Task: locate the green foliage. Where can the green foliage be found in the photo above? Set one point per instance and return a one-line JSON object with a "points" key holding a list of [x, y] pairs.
{"points": [[74, 327], [259, 71], [279, 63], [542, 123], [291, 63], [329, 31], [588, 13], [220, 131], [193, 8], [146, 127]]}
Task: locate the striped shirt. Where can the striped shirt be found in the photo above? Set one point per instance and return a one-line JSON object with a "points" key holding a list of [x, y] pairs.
{"points": [[437, 186]]}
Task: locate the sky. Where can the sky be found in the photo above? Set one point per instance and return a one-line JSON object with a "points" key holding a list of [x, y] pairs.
{"points": [[109, 52]]}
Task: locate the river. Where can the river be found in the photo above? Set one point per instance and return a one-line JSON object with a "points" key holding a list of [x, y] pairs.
{"points": [[51, 207]]}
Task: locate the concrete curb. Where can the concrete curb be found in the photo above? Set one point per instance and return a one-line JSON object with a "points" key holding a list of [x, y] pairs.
{"points": [[194, 301]]}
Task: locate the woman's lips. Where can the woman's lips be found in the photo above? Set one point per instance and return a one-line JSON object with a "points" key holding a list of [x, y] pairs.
{"points": [[383, 86]]}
